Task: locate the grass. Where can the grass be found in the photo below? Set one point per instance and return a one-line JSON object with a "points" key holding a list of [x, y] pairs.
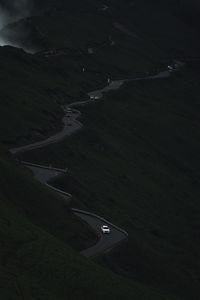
{"points": [[23, 93], [31, 84], [132, 164], [36, 261], [43, 207]]}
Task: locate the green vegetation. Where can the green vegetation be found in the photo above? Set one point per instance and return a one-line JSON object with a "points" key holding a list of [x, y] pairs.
{"points": [[38, 264], [41, 206], [132, 163], [22, 94], [136, 161]]}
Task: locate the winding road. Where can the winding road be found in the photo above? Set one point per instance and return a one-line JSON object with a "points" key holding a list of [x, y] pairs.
{"points": [[46, 173], [105, 242], [70, 120], [71, 124]]}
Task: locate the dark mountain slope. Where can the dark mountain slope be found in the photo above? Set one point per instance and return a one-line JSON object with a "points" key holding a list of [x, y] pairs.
{"points": [[38, 263], [136, 162]]}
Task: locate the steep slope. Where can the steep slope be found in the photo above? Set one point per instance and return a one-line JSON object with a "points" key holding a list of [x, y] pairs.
{"points": [[37, 265], [131, 164]]}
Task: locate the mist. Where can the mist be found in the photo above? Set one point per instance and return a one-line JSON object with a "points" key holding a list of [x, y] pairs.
{"points": [[10, 12]]}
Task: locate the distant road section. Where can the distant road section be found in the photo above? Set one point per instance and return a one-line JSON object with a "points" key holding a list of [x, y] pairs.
{"points": [[115, 85], [71, 124], [70, 120]]}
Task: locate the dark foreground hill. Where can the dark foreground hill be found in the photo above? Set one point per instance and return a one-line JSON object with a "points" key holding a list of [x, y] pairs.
{"points": [[136, 162]]}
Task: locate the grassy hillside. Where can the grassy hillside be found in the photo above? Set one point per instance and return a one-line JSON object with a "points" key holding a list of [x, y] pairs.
{"points": [[38, 263], [25, 89], [136, 162], [32, 84], [41, 206]]}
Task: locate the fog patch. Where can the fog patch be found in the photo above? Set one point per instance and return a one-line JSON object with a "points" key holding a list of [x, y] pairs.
{"points": [[12, 11]]}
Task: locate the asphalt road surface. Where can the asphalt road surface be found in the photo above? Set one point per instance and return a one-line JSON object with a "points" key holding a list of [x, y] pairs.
{"points": [[106, 241], [44, 175], [115, 85], [70, 120], [71, 125]]}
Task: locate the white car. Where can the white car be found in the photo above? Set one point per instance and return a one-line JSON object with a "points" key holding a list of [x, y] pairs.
{"points": [[92, 97], [105, 229]]}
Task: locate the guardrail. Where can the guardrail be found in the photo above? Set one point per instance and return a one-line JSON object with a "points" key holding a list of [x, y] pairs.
{"points": [[44, 167], [98, 217], [58, 190], [78, 103], [70, 195], [51, 169]]}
